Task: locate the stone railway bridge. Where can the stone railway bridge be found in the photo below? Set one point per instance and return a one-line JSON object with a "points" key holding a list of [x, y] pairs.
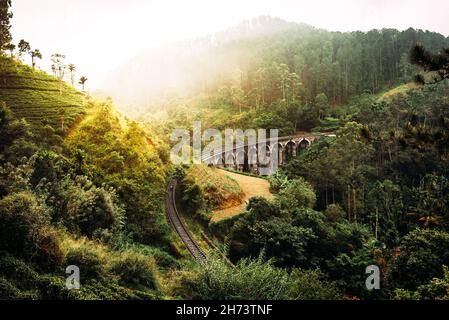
{"points": [[245, 158]]}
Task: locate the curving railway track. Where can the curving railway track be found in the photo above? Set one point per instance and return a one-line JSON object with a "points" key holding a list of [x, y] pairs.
{"points": [[178, 224]]}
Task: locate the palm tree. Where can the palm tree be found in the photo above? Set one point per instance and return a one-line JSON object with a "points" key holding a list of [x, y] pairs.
{"points": [[36, 54], [53, 69], [83, 81], [72, 70]]}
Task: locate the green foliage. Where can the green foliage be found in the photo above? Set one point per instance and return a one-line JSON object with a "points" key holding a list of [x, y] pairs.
{"points": [[278, 181], [89, 260], [422, 254], [297, 194], [437, 289], [269, 120], [85, 208], [38, 97], [48, 253], [15, 137], [251, 280], [5, 17], [349, 271], [22, 218], [54, 288], [125, 158], [14, 179], [254, 280], [285, 243], [16, 269], [311, 285], [136, 270], [292, 237], [334, 213], [205, 188]]}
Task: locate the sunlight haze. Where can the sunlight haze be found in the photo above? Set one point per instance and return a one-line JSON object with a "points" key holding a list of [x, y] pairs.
{"points": [[100, 35]]}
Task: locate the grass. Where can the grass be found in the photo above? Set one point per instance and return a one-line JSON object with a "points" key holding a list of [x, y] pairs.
{"points": [[400, 90], [251, 187], [38, 97], [220, 191]]}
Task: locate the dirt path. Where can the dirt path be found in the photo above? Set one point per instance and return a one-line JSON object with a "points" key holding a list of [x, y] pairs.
{"points": [[251, 186]]}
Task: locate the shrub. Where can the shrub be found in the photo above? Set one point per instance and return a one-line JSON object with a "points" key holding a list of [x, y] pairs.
{"points": [[136, 270], [97, 211], [88, 260], [17, 270], [309, 285], [83, 207], [251, 280], [297, 194], [437, 289], [48, 253], [22, 218], [335, 213], [422, 254]]}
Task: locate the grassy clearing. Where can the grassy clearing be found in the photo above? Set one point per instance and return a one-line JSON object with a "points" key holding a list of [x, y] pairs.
{"points": [[251, 187]]}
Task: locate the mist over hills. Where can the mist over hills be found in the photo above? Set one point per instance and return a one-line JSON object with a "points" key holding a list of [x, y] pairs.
{"points": [[183, 67], [335, 63]]}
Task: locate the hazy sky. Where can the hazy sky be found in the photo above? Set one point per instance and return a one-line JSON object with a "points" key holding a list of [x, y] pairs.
{"points": [[99, 35]]}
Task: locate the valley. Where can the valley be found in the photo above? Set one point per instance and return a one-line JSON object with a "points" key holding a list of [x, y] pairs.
{"points": [[88, 177]]}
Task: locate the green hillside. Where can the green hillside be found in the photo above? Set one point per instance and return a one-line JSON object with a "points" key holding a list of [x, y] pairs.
{"points": [[37, 96]]}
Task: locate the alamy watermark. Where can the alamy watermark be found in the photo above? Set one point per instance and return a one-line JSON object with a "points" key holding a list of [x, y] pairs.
{"points": [[253, 150], [72, 282], [373, 280]]}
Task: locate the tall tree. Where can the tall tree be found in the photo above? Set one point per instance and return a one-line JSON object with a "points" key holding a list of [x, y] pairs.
{"points": [[35, 54], [83, 81], [72, 70], [24, 48], [5, 26]]}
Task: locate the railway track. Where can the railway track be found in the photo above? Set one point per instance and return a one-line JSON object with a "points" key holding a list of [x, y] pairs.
{"points": [[178, 224]]}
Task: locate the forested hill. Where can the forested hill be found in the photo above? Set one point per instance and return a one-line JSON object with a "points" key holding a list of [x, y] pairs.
{"points": [[273, 59]]}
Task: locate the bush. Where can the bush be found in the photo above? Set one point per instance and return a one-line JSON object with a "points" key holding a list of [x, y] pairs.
{"points": [[48, 253], [297, 194], [136, 270], [437, 289], [309, 285], [22, 218], [83, 207], [97, 211], [335, 213], [17, 270], [88, 260], [54, 288], [251, 280], [422, 255]]}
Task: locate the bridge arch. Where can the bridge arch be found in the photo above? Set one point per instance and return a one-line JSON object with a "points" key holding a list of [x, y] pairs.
{"points": [[302, 145], [290, 150]]}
